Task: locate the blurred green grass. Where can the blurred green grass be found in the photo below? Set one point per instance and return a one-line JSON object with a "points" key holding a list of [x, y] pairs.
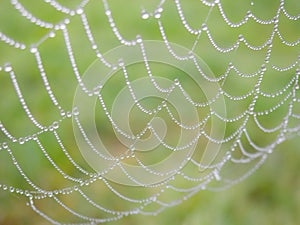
{"points": [[270, 196]]}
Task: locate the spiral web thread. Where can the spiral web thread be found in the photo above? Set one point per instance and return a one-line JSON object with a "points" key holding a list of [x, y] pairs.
{"points": [[238, 146]]}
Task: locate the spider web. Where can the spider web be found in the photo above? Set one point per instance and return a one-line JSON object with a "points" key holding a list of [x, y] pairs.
{"points": [[51, 46]]}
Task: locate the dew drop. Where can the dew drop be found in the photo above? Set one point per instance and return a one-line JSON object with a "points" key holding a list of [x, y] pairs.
{"points": [[55, 125], [79, 11], [34, 137], [121, 63], [139, 39], [145, 15], [62, 26], [67, 21], [33, 49], [191, 55], [52, 34], [75, 111], [270, 151], [160, 10], [21, 141], [241, 38], [157, 15], [176, 81], [69, 114], [62, 113], [7, 68], [4, 145]]}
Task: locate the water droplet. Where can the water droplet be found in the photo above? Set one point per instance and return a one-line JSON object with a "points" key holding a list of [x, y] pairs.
{"points": [[69, 114], [21, 141], [79, 11], [139, 39], [270, 151], [204, 27], [75, 111], [191, 55], [160, 9], [62, 113], [121, 63], [108, 12], [4, 145], [7, 68], [94, 46], [55, 125], [176, 81], [157, 15], [52, 34], [145, 15], [217, 176], [33, 49], [34, 137], [153, 199], [241, 38], [67, 21], [249, 13]]}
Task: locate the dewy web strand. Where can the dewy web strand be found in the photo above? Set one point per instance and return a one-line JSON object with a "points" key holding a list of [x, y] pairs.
{"points": [[233, 139]]}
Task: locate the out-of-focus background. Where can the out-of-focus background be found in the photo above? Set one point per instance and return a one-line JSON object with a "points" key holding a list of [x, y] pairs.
{"points": [[270, 196]]}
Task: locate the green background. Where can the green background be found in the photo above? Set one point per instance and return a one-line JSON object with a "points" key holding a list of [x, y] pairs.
{"points": [[270, 196]]}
